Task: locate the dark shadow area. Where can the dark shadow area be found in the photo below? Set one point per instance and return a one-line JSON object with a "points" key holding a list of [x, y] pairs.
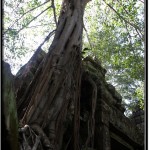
{"points": [[115, 145]]}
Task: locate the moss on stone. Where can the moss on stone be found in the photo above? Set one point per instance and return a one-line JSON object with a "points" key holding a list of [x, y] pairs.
{"points": [[9, 108]]}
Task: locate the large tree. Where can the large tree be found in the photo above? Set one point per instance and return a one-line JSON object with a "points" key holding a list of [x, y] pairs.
{"points": [[56, 84], [53, 93]]}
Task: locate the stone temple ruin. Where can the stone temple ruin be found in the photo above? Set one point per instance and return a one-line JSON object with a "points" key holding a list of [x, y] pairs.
{"points": [[113, 130]]}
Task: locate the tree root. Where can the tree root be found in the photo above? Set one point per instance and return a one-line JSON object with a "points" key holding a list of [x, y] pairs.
{"points": [[91, 121], [44, 138], [34, 138]]}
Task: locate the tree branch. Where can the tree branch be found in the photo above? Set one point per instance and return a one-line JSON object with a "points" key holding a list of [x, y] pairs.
{"points": [[33, 19], [37, 141], [23, 16], [126, 21], [16, 7], [124, 8], [54, 12], [141, 1], [47, 38], [36, 26], [135, 28], [140, 35]]}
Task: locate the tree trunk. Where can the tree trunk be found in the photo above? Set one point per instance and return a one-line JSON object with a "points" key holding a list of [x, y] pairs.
{"points": [[56, 84]]}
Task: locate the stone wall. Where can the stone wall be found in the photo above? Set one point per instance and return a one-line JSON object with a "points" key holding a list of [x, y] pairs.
{"points": [[111, 123], [9, 114]]}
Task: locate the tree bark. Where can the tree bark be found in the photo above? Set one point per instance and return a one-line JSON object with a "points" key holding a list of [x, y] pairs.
{"points": [[57, 80]]}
